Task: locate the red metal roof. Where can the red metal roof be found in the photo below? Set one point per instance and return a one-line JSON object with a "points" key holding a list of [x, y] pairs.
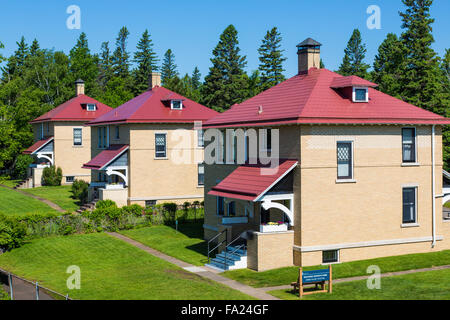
{"points": [[249, 182], [106, 156], [74, 110], [351, 81], [309, 98], [38, 145], [152, 107]]}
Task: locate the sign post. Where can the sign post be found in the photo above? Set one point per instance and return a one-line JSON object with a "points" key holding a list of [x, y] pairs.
{"points": [[317, 277]]}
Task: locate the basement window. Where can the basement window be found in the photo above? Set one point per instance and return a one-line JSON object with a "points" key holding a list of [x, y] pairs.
{"points": [[330, 256], [360, 94], [70, 179], [176, 105]]}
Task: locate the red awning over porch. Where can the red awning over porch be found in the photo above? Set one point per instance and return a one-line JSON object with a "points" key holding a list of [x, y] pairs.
{"points": [[250, 182], [37, 146], [106, 156]]}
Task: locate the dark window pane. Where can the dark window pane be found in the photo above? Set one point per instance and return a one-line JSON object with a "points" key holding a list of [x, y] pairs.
{"points": [[220, 206], [409, 144], [330, 256], [409, 205], [360, 94]]}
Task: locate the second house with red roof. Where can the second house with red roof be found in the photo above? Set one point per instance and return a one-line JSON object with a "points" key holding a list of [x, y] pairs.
{"points": [[148, 150]]}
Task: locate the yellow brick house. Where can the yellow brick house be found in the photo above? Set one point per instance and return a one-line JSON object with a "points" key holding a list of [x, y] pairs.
{"points": [[148, 150], [356, 174], [62, 138]]}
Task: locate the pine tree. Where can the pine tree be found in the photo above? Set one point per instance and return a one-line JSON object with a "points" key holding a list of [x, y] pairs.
{"points": [[120, 57], [168, 68], [353, 61], [226, 83], [34, 48], [421, 83], [146, 61], [446, 70], [83, 65], [389, 65], [2, 58], [105, 66], [196, 75], [271, 59]]}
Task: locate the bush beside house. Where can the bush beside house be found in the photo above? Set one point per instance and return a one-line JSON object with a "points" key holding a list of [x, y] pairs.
{"points": [[52, 176]]}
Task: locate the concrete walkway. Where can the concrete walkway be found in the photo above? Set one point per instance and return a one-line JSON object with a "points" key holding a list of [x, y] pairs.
{"points": [[383, 275], [204, 272], [47, 202], [24, 290]]}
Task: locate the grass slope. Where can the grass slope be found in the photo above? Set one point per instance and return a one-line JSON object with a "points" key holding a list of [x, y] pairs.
{"points": [[8, 182], [15, 203], [284, 276], [187, 244], [430, 285], [110, 269], [61, 195]]}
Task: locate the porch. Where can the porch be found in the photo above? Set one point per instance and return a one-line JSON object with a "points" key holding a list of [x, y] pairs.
{"points": [[43, 153], [110, 175], [259, 208]]}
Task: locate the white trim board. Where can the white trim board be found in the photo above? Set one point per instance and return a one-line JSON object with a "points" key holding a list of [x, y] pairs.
{"points": [[165, 197], [365, 244]]}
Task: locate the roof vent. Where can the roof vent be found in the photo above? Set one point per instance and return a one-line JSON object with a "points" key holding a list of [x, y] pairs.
{"points": [[260, 109]]}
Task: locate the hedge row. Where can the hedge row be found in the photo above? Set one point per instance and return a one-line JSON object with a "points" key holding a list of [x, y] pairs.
{"points": [[105, 217]]}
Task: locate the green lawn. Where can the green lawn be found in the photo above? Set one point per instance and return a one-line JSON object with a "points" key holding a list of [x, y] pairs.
{"points": [[15, 203], [110, 269], [430, 285], [3, 294], [61, 195], [187, 244], [8, 182], [284, 276]]}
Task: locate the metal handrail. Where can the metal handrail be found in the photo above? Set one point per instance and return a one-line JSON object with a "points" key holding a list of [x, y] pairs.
{"points": [[214, 238]]}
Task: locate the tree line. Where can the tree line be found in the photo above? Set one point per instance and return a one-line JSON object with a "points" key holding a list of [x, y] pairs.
{"points": [[34, 80]]}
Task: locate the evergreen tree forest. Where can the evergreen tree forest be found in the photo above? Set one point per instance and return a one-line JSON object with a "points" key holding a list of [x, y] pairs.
{"points": [[33, 80]]}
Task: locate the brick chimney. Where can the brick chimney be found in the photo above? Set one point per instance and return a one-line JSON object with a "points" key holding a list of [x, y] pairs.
{"points": [[155, 80], [308, 55], [79, 86]]}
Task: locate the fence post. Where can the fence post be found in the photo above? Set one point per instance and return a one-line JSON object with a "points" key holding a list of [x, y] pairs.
{"points": [[37, 290], [11, 292]]}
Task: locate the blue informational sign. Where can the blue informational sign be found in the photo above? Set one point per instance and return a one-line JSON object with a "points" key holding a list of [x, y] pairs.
{"points": [[315, 276]]}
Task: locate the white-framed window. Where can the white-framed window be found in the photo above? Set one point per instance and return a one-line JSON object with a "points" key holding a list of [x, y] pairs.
{"points": [[360, 94], [220, 206], [266, 136], [77, 136], [344, 160], [330, 256], [201, 174], [409, 205], [70, 179], [200, 138], [409, 150], [102, 133], [91, 107], [160, 145], [117, 133], [176, 104]]}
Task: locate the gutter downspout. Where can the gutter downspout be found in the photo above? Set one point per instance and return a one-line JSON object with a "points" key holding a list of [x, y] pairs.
{"points": [[433, 187]]}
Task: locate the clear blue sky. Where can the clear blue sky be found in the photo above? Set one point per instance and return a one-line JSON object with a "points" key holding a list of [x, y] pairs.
{"points": [[192, 28]]}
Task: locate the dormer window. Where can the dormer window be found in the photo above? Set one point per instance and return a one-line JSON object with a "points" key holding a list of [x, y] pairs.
{"points": [[360, 94], [176, 105], [91, 107]]}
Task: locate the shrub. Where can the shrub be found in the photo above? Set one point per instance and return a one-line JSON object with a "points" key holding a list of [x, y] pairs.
{"points": [[134, 209], [102, 204], [80, 190], [21, 167], [52, 176], [170, 210], [12, 233]]}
